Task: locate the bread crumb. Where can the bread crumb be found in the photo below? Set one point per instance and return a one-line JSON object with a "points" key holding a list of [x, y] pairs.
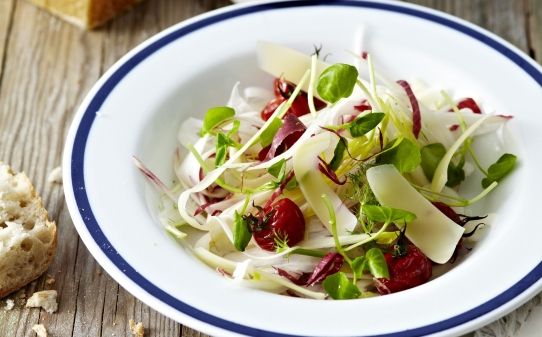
{"points": [[9, 304], [55, 176], [138, 329], [50, 280], [40, 330], [45, 299]]}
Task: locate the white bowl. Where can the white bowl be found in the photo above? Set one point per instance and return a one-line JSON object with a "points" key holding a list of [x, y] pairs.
{"points": [[136, 109]]}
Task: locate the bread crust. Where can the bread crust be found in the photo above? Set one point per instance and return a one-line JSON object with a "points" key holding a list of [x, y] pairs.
{"points": [[28, 239], [86, 13]]}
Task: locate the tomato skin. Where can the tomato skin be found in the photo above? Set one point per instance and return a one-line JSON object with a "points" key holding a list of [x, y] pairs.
{"points": [[270, 108], [406, 271], [284, 221], [283, 90]]}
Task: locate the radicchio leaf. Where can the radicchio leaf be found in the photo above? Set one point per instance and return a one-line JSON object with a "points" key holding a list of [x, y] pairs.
{"points": [[416, 114], [300, 280], [153, 178], [286, 136], [468, 103], [330, 264], [328, 172], [363, 106]]}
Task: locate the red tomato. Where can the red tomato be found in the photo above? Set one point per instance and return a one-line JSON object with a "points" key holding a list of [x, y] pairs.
{"points": [[271, 106], [406, 271], [283, 220], [283, 90]]}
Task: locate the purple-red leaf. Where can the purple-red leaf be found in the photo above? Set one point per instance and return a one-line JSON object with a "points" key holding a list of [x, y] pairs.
{"points": [[328, 172], [416, 114], [363, 106], [300, 280], [286, 136], [153, 178], [330, 264], [468, 103]]}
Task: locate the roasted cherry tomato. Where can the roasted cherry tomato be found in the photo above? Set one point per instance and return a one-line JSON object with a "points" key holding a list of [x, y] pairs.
{"points": [[283, 90], [284, 221], [406, 271], [271, 106]]}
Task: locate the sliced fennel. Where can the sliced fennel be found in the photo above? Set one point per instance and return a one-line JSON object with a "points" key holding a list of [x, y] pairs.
{"points": [[433, 232], [313, 185]]}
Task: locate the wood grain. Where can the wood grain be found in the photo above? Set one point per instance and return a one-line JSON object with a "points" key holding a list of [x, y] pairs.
{"points": [[46, 68], [6, 18], [534, 16]]}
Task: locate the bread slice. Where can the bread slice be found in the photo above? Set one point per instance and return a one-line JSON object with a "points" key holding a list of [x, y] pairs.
{"points": [[27, 237], [86, 13]]}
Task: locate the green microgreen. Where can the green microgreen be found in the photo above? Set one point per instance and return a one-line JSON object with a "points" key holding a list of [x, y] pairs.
{"points": [[338, 153], [403, 153], [431, 155], [373, 262], [387, 214], [339, 287], [336, 82], [500, 169], [266, 138], [214, 117], [367, 122], [278, 170], [242, 232]]}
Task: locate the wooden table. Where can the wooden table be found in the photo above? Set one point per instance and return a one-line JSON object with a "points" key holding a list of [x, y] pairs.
{"points": [[46, 68]]}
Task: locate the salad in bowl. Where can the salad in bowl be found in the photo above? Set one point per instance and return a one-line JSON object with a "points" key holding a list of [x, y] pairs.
{"points": [[330, 185]]}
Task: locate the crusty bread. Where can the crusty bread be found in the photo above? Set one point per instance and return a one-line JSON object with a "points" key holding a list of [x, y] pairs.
{"points": [[45, 299], [86, 13], [27, 237]]}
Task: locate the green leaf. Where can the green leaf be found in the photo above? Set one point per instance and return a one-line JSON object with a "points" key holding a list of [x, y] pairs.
{"points": [[405, 156], [222, 144], [266, 138], [360, 126], [339, 287], [387, 214], [292, 184], [376, 263], [431, 156], [500, 169], [359, 266], [373, 262], [278, 170], [336, 82], [235, 128], [338, 154], [241, 232], [214, 117]]}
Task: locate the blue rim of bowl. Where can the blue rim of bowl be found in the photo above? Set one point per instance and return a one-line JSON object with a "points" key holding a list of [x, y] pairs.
{"points": [[83, 129]]}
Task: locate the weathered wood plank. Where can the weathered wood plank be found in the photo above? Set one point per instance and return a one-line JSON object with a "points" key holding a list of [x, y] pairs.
{"points": [[504, 18], [534, 16], [49, 65], [6, 17]]}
